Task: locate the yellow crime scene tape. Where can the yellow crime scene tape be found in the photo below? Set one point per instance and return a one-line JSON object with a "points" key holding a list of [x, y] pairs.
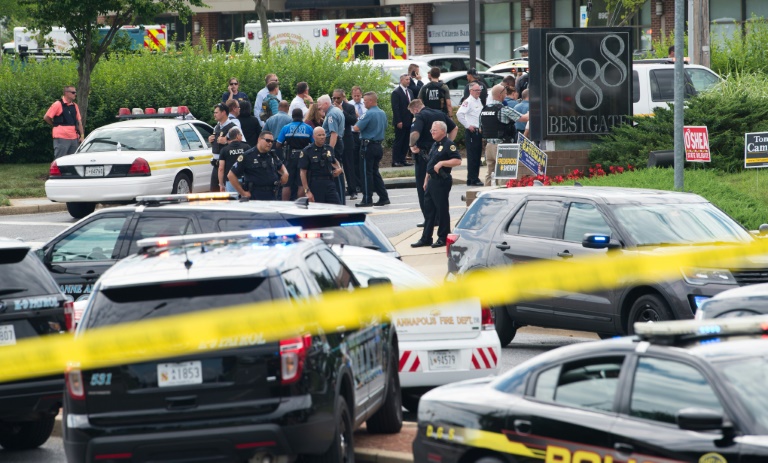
{"points": [[221, 328]]}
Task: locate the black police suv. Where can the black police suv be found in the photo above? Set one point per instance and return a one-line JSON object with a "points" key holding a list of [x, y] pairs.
{"points": [[79, 255], [681, 391], [31, 305], [514, 226], [261, 401]]}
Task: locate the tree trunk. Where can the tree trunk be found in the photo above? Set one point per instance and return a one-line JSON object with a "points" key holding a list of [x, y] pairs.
{"points": [[261, 10], [85, 66]]}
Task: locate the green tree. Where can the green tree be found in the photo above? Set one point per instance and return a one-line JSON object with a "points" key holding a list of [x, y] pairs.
{"points": [[621, 11], [261, 10], [79, 17]]}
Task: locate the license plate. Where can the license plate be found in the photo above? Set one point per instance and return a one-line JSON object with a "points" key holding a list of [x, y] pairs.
{"points": [[7, 335], [179, 374], [94, 171], [443, 359]]}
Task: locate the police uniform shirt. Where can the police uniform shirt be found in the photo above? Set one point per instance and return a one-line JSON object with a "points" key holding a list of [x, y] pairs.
{"points": [[321, 153], [231, 152], [442, 150], [422, 124], [298, 135], [469, 112], [334, 122], [372, 124], [257, 168]]}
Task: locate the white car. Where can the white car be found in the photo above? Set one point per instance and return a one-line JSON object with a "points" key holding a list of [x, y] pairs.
{"points": [[120, 161], [654, 83], [519, 65], [456, 81], [450, 62], [439, 344], [394, 68]]}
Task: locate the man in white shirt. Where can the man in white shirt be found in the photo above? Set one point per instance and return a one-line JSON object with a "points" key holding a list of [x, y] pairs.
{"points": [[301, 99], [469, 117], [263, 94]]}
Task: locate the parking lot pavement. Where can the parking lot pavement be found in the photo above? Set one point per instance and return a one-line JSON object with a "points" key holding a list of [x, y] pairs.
{"points": [[385, 448]]}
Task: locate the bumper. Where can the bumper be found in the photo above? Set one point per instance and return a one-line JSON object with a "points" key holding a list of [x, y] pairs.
{"points": [[476, 358], [428, 450], [27, 400], [107, 189], [683, 295]]}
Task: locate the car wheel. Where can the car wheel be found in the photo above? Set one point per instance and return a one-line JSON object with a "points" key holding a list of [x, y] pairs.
{"points": [[389, 418], [182, 184], [410, 401], [648, 308], [80, 210], [505, 326], [26, 435], [342, 449]]}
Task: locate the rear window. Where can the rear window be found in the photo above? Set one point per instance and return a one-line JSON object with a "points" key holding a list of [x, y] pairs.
{"points": [[482, 212], [354, 230], [128, 138], [133, 303], [24, 275]]}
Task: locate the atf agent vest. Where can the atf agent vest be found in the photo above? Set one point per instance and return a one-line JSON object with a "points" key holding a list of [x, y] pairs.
{"points": [[434, 96], [492, 126]]}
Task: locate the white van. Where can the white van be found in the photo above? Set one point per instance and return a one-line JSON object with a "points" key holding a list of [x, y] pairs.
{"points": [[654, 84]]}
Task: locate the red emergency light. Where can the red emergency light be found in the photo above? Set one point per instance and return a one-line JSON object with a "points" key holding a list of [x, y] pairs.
{"points": [[250, 35], [324, 32], [341, 31], [123, 112], [150, 111]]}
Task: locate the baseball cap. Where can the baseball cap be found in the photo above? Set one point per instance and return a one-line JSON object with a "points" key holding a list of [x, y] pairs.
{"points": [[472, 72]]}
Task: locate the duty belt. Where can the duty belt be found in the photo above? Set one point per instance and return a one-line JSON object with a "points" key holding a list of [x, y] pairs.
{"points": [[375, 142], [262, 188]]}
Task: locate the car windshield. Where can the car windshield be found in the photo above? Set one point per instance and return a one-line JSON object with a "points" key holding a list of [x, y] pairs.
{"points": [[125, 139], [679, 224], [747, 378]]}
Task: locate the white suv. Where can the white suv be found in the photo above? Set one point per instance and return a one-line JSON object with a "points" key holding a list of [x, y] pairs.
{"points": [[654, 83]]}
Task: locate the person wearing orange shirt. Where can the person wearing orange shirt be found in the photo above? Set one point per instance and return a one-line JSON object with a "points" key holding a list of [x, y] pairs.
{"points": [[64, 117]]}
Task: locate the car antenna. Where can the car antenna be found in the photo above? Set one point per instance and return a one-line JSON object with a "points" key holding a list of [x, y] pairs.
{"points": [[537, 183], [577, 184], [187, 263], [302, 202]]}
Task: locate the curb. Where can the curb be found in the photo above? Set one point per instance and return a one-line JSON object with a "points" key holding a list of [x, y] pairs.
{"points": [[16, 210]]}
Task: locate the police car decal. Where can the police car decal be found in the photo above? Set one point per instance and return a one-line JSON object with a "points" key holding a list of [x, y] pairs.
{"points": [[34, 303]]}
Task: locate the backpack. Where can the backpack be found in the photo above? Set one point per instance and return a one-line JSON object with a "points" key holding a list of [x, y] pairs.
{"points": [[434, 96], [266, 110]]}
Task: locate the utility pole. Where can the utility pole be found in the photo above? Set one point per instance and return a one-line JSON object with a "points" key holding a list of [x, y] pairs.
{"points": [[472, 35], [679, 93], [698, 32]]}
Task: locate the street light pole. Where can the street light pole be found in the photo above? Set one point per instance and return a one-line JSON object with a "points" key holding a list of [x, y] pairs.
{"points": [[472, 35], [679, 93]]}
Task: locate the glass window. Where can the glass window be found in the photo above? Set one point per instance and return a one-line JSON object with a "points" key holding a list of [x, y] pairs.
{"points": [[342, 275], [663, 387], [96, 240], [182, 140], [152, 227], [514, 225], [24, 275], [563, 10], [205, 131], [702, 79], [584, 218], [662, 85], [747, 377], [496, 47], [296, 284], [540, 218], [482, 212], [191, 136], [457, 84], [546, 384], [726, 10], [635, 87], [320, 273], [589, 383], [129, 139], [496, 16]]}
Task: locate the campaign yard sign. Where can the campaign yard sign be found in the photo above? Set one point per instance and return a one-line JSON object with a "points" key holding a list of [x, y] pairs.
{"points": [[506, 161], [696, 140], [531, 156], [756, 150]]}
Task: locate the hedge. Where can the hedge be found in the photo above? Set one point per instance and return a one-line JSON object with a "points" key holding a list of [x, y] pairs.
{"points": [[190, 76]]}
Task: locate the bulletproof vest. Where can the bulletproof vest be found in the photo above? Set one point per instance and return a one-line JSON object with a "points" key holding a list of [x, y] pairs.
{"points": [[320, 162], [434, 96], [267, 162], [215, 148], [492, 126], [68, 115]]}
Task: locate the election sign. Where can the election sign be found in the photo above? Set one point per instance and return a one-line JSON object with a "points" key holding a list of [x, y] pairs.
{"points": [[506, 161], [531, 156], [696, 144], [756, 150]]}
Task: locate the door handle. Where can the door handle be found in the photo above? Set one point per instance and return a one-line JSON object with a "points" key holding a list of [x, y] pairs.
{"points": [[523, 426], [191, 158], [625, 449], [565, 254], [503, 246]]}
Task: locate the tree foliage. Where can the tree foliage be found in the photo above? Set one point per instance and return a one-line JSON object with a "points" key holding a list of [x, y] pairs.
{"points": [[621, 11]]}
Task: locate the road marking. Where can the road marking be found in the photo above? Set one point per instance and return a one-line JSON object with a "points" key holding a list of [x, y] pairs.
{"points": [[55, 224]]}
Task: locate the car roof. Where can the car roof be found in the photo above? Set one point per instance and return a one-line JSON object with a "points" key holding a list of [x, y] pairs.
{"points": [[431, 56], [609, 195], [666, 65], [446, 76], [277, 207], [757, 290]]}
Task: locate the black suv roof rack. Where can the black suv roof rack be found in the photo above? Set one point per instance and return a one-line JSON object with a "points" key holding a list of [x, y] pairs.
{"points": [[680, 332]]}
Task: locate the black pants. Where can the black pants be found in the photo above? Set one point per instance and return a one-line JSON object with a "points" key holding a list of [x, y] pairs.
{"points": [[436, 208], [400, 145], [474, 143], [324, 189], [262, 193], [358, 161], [373, 181], [294, 173], [421, 173], [338, 153], [215, 177], [350, 169]]}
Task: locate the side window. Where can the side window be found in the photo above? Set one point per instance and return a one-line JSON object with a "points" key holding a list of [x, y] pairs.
{"points": [[635, 87], [152, 227], [683, 387], [514, 225], [191, 136], [482, 212], [540, 218], [546, 384], [493, 80], [584, 218], [588, 383], [665, 85], [702, 79], [343, 277], [320, 273], [96, 240], [205, 132], [457, 84], [296, 285], [182, 140]]}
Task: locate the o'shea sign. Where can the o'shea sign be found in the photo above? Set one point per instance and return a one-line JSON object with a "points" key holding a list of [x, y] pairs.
{"points": [[696, 144]]}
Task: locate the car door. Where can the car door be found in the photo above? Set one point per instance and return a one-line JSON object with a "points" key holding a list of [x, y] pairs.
{"points": [[646, 428], [79, 256], [195, 148], [162, 223], [529, 237], [456, 89]]}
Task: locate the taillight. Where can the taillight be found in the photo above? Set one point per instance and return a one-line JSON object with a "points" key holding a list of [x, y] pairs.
{"points": [[69, 315], [486, 318], [73, 377], [449, 240], [54, 171], [139, 167], [293, 353]]}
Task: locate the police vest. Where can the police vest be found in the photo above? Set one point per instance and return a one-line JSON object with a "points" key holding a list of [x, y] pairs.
{"points": [[434, 97], [492, 126], [265, 169], [68, 115], [320, 163]]}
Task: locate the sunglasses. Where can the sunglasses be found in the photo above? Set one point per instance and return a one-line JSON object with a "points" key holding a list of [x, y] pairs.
{"points": [[234, 83], [337, 98], [70, 91], [269, 140]]}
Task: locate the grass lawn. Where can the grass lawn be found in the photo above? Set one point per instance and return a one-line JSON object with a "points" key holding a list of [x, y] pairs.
{"points": [[398, 173], [22, 181]]}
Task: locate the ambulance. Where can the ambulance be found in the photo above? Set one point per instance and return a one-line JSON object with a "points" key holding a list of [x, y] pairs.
{"points": [[378, 38], [59, 41]]}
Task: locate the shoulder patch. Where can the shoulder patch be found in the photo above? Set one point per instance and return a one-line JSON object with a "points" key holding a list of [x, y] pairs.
{"points": [[240, 158], [329, 153], [453, 147]]}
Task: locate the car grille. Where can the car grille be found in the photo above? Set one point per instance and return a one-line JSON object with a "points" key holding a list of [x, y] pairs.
{"points": [[750, 277]]}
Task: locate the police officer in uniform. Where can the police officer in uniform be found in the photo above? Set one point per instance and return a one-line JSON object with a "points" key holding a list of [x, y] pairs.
{"points": [[421, 141], [319, 168], [437, 186], [228, 155], [293, 138], [262, 171], [371, 127]]}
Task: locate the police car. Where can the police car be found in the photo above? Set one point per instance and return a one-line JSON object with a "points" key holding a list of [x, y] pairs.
{"points": [[143, 156], [261, 401], [681, 391]]}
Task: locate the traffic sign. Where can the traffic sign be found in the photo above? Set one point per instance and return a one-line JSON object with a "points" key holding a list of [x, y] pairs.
{"points": [[696, 144]]}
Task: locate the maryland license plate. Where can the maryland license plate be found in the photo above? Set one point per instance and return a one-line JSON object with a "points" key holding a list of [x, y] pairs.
{"points": [[179, 374], [443, 359], [94, 171], [7, 335]]}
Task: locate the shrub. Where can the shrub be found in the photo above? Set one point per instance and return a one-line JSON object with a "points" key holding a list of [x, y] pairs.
{"points": [[741, 53]]}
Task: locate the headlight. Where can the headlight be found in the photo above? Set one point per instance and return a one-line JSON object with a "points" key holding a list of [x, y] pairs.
{"points": [[705, 276]]}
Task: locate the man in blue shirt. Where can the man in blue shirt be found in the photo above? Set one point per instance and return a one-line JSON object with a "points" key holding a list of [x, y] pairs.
{"points": [[371, 127], [276, 123], [522, 108], [293, 138]]}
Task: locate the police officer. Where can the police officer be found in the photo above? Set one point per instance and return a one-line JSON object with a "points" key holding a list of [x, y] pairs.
{"points": [[293, 138], [421, 141], [333, 124], [218, 140], [437, 186], [497, 125], [319, 167], [261, 170], [229, 155], [371, 127]]}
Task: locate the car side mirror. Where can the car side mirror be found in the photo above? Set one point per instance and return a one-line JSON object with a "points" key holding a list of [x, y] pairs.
{"points": [[599, 241], [763, 230], [699, 419], [379, 281]]}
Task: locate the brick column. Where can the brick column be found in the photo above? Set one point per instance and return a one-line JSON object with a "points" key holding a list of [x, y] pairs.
{"points": [[420, 19], [667, 18], [541, 16], [304, 15], [209, 25]]}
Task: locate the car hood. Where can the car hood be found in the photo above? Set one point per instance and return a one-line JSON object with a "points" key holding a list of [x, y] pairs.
{"points": [[758, 261]]}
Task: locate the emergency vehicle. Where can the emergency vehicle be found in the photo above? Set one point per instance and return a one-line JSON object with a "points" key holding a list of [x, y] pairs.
{"points": [[379, 38], [152, 36]]}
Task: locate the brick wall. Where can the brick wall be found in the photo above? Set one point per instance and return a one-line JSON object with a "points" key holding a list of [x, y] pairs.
{"points": [[563, 162], [541, 16], [209, 25], [304, 15], [420, 19]]}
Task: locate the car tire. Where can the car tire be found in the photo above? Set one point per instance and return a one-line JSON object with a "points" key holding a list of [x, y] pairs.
{"points": [[389, 418], [182, 184], [342, 449], [648, 308], [80, 210], [410, 401], [505, 326], [26, 435]]}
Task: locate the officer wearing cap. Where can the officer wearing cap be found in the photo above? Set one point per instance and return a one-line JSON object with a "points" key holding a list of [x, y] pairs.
{"points": [[262, 171], [318, 168], [473, 76], [228, 155]]}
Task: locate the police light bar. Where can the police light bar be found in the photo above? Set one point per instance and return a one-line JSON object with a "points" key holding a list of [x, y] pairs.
{"points": [[265, 235], [185, 198], [688, 330]]}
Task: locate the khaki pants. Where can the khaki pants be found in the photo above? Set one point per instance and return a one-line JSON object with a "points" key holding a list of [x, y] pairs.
{"points": [[490, 161]]}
